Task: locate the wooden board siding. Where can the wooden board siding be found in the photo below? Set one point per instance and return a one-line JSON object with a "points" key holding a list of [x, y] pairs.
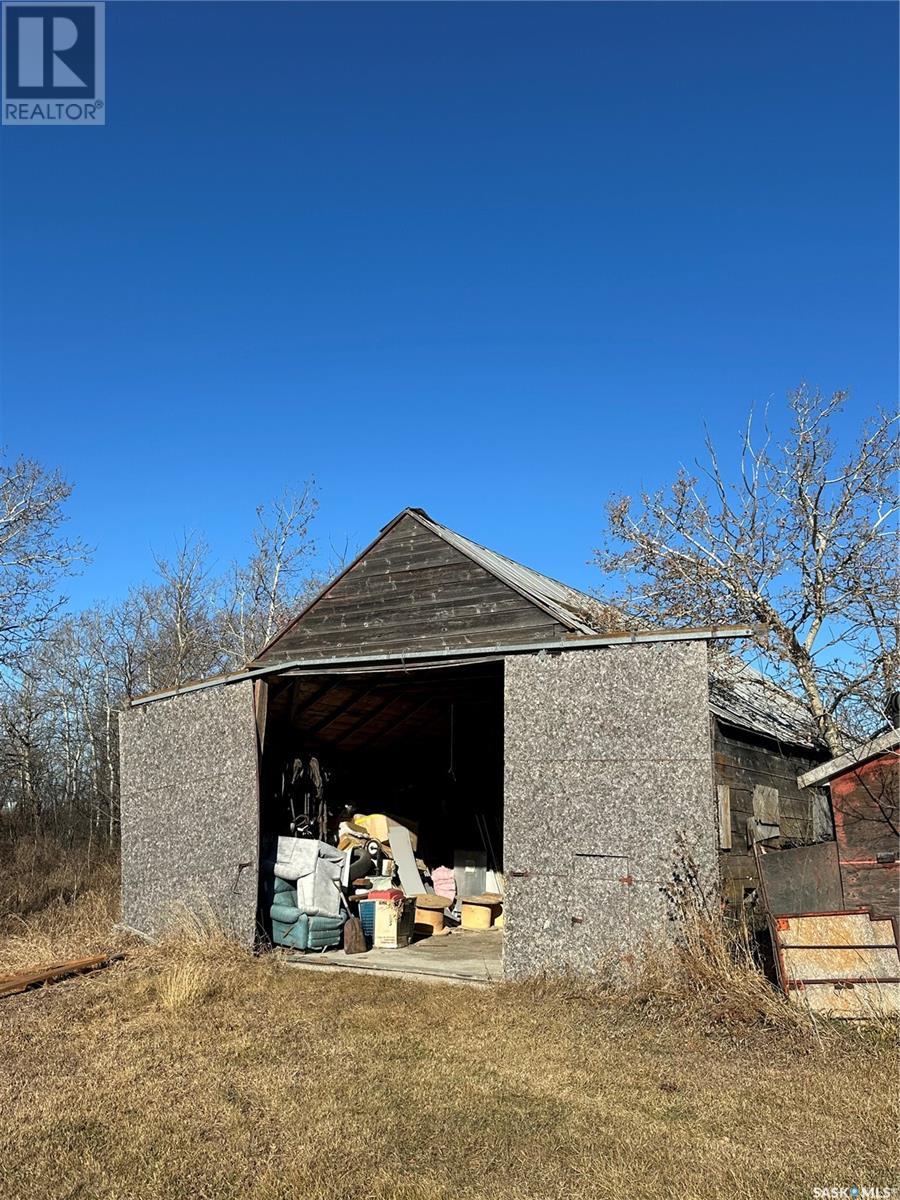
{"points": [[413, 591], [873, 885], [742, 762], [866, 802]]}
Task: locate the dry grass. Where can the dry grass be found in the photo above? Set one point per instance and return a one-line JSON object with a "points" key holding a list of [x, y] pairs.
{"points": [[709, 975], [55, 904], [194, 1070], [184, 984]]}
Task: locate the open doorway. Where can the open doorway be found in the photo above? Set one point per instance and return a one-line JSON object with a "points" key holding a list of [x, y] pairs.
{"points": [[422, 748]]}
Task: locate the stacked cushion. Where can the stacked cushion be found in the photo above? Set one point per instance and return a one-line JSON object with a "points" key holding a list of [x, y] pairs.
{"points": [[296, 929]]}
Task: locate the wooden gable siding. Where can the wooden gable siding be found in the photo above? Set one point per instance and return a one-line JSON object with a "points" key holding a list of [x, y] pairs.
{"points": [[413, 591]]}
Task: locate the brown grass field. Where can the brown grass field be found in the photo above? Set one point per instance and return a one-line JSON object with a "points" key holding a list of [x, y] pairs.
{"points": [[194, 1070]]}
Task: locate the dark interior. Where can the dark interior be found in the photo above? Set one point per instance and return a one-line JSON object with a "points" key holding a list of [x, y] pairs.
{"points": [[424, 744]]}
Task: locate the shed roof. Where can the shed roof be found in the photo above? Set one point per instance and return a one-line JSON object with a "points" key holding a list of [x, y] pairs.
{"points": [[578, 613], [739, 695], [743, 696]]}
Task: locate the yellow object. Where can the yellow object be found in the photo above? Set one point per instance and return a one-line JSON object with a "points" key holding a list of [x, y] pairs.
{"points": [[378, 826], [429, 921], [430, 914], [854, 948], [478, 914]]}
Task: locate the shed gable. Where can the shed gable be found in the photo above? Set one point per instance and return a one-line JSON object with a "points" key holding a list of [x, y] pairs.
{"points": [[411, 591]]}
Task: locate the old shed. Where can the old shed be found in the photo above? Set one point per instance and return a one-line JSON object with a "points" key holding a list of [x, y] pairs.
{"points": [[834, 908], [864, 786], [494, 710]]}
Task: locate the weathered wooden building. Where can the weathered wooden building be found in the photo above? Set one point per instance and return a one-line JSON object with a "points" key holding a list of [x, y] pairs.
{"points": [[762, 739], [834, 908], [864, 787], [500, 710]]}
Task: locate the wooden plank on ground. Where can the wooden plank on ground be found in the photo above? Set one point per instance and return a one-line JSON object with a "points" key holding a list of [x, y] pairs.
{"points": [[10, 985]]}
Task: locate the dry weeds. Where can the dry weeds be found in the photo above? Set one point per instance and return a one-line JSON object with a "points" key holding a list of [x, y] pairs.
{"points": [[709, 974], [195, 1070], [55, 903]]}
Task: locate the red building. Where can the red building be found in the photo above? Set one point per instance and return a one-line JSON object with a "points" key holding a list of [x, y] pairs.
{"points": [[865, 801], [834, 907]]}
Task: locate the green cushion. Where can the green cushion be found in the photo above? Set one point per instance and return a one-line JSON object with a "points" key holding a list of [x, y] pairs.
{"points": [[286, 913]]}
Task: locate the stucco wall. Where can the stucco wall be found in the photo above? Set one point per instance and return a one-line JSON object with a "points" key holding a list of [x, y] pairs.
{"points": [[608, 761], [189, 809]]}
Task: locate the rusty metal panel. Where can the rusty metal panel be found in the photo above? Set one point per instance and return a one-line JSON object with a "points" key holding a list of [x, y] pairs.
{"points": [[854, 929], [856, 1000], [802, 880], [841, 964], [831, 963]]}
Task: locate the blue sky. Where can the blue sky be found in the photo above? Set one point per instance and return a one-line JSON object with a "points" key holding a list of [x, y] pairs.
{"points": [[496, 260]]}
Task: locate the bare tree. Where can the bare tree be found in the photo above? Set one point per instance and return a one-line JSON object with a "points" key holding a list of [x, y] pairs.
{"points": [[799, 541], [34, 555], [59, 769], [270, 588], [183, 641]]}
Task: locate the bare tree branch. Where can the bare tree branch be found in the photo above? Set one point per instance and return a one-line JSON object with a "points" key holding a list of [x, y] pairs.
{"points": [[801, 543], [34, 555]]}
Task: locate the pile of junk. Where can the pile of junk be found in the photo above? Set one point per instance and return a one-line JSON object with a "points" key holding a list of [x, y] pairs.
{"points": [[371, 891]]}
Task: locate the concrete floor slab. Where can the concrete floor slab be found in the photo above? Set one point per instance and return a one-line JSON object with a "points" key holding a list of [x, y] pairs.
{"points": [[467, 955]]}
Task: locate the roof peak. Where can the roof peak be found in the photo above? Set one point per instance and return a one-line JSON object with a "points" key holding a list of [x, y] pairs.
{"points": [[577, 610]]}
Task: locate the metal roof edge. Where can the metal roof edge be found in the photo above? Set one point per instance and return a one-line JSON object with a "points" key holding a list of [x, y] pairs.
{"points": [[882, 742], [705, 634]]}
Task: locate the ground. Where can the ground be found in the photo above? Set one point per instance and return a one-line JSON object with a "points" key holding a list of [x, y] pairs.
{"points": [[195, 1070], [462, 954]]}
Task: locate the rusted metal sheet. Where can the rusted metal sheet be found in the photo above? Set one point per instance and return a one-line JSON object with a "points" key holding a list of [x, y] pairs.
{"points": [[805, 879], [839, 964]]}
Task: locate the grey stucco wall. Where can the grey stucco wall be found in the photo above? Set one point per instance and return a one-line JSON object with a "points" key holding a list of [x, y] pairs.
{"points": [[190, 823], [607, 761]]}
